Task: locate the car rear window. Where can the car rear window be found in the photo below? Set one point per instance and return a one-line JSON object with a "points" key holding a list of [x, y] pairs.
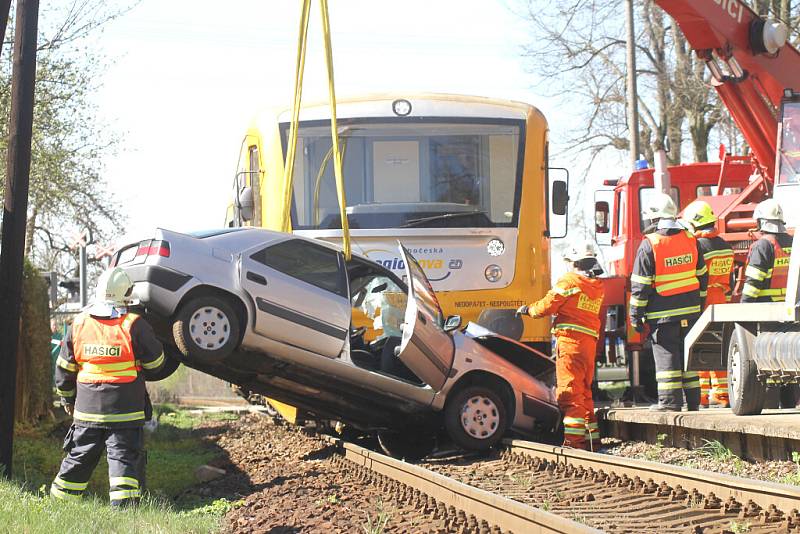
{"points": [[313, 264]]}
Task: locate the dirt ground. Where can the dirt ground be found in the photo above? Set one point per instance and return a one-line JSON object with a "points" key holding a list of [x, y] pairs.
{"points": [[289, 483]]}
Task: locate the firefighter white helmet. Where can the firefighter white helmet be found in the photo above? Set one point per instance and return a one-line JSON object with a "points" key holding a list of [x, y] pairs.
{"points": [[579, 251], [111, 295], [769, 216], [661, 206]]}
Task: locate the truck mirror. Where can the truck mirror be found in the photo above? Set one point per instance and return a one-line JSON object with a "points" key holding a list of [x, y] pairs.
{"points": [[560, 197], [246, 203], [601, 211]]}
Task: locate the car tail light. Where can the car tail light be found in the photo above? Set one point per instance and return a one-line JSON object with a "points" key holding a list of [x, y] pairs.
{"points": [[153, 247]]}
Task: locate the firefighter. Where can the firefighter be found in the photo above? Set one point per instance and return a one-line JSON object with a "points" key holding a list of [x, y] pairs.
{"points": [[766, 276], [668, 285], [100, 376], [575, 301], [767, 269], [718, 255]]}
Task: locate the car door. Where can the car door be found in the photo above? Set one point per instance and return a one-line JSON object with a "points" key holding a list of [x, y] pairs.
{"points": [[300, 292], [425, 347]]}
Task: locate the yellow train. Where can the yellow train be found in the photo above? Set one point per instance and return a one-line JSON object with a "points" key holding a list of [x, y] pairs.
{"points": [[462, 181]]}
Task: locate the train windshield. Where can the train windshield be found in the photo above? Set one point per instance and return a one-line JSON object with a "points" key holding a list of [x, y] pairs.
{"points": [[401, 173], [789, 161]]}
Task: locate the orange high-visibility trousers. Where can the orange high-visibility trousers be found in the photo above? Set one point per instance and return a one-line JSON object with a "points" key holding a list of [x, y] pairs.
{"points": [[575, 354], [705, 387]]}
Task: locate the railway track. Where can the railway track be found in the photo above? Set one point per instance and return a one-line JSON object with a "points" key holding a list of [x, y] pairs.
{"points": [[529, 487]]}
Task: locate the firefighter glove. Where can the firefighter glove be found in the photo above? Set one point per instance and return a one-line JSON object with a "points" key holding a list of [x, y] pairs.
{"points": [[522, 310], [69, 408], [638, 324]]}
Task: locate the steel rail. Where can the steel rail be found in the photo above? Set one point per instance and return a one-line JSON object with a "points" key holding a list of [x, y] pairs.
{"points": [[763, 493], [498, 511]]}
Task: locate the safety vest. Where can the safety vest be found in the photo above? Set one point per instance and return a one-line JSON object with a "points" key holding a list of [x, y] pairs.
{"points": [[676, 263], [103, 349], [779, 274], [720, 265], [581, 311]]}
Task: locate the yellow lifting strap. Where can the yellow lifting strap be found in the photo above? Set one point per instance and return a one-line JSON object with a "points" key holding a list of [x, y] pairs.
{"points": [[288, 173]]}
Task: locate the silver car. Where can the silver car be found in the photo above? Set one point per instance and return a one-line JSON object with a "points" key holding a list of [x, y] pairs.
{"points": [[273, 313]]}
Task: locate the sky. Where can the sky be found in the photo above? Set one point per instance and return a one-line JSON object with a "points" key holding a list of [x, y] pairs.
{"points": [[187, 77]]}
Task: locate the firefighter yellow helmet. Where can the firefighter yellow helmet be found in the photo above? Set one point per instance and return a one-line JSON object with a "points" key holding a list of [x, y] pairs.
{"points": [[113, 290], [661, 206], [699, 213]]}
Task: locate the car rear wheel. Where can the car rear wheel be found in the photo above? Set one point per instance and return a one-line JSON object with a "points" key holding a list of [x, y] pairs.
{"points": [[206, 329], [746, 393], [476, 418]]}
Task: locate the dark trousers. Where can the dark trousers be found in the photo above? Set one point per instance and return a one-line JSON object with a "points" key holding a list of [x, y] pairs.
{"points": [[85, 445], [673, 382]]}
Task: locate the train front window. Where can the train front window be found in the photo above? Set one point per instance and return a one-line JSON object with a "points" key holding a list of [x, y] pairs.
{"points": [[789, 161], [409, 174]]}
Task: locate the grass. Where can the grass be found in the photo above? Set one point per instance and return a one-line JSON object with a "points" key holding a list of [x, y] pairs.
{"points": [[654, 454], [793, 478], [174, 452], [717, 451], [24, 512], [739, 528], [378, 525]]}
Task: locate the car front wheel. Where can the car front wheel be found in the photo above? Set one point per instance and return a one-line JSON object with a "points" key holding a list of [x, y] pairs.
{"points": [[206, 329], [476, 418]]}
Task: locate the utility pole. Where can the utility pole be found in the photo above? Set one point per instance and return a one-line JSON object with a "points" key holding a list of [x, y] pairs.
{"points": [[15, 212], [633, 103]]}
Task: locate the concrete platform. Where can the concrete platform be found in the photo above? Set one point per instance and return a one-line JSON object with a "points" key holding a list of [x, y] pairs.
{"points": [[773, 435]]}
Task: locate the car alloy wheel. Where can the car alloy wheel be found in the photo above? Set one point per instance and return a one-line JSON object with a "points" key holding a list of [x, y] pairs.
{"points": [[480, 417], [209, 328]]}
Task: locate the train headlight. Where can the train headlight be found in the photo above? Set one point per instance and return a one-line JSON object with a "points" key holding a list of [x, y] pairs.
{"points": [[493, 273], [495, 247], [401, 107]]}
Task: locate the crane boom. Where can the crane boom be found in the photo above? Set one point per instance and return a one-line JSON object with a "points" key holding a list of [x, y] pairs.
{"points": [[752, 82]]}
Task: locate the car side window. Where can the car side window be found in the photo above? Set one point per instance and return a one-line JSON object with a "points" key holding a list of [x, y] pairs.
{"points": [[313, 264]]}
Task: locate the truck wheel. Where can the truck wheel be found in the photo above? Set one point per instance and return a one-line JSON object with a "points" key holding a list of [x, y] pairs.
{"points": [[475, 418], [744, 389], [206, 329]]}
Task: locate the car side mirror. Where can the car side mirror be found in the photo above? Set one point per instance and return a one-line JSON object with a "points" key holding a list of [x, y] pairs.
{"points": [[560, 197], [246, 203], [452, 323], [601, 219]]}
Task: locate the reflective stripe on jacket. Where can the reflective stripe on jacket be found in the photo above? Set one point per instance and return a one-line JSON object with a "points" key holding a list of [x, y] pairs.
{"points": [[576, 301], [676, 259], [671, 303], [103, 349], [718, 255], [767, 269]]}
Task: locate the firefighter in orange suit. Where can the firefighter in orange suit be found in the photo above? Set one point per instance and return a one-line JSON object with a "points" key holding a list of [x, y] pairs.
{"points": [[100, 376], [718, 255], [575, 301]]}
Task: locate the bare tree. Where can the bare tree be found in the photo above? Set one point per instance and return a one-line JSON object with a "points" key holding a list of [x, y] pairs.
{"points": [[579, 50]]}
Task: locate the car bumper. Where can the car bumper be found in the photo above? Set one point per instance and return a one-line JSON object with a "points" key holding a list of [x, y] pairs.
{"points": [[159, 288]]}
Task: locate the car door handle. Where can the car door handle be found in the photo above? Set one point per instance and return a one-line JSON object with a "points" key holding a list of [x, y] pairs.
{"points": [[257, 278]]}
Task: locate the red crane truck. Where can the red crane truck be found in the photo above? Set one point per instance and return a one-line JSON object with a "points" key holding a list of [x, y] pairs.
{"points": [[757, 76]]}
